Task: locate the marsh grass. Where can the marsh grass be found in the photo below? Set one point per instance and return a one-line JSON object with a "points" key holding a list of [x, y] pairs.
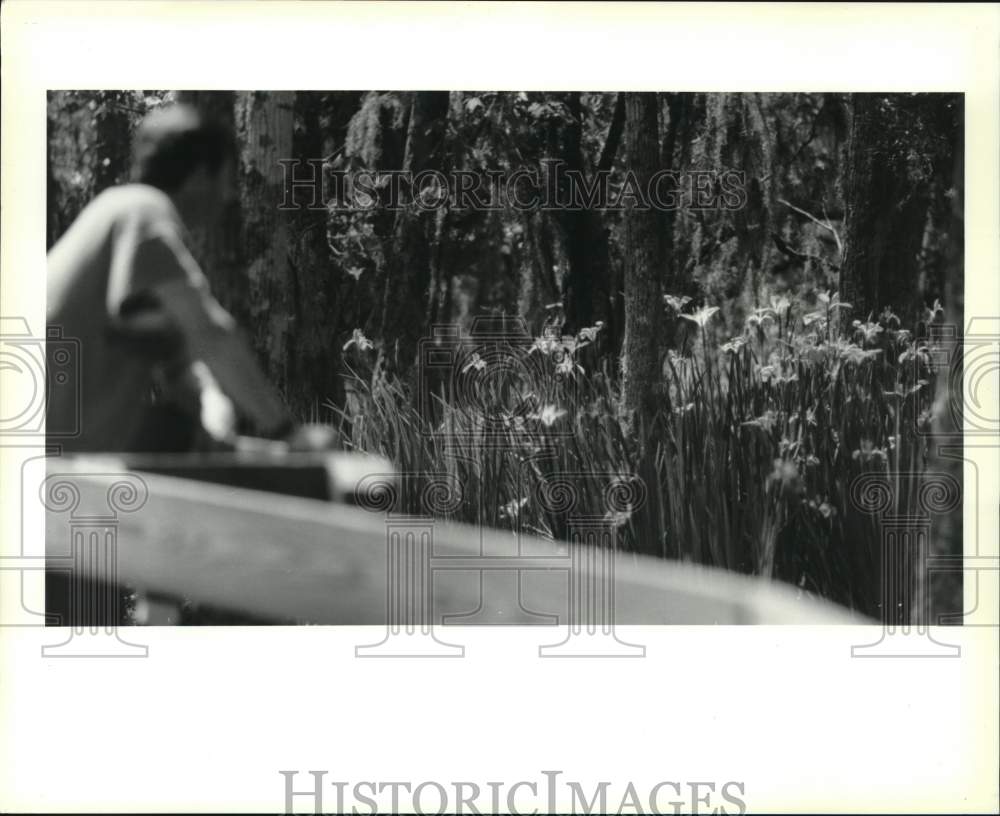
{"points": [[747, 465]]}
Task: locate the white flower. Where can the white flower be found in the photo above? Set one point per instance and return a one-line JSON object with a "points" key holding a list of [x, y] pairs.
{"points": [[513, 508], [765, 422], [617, 518], [590, 334], [734, 345], [566, 366], [476, 362], [932, 313], [549, 414], [780, 305], [676, 303], [870, 331], [759, 317], [546, 344], [832, 301], [854, 354], [358, 339], [702, 316]]}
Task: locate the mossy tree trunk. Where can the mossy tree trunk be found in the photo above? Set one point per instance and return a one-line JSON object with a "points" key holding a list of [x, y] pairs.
{"points": [[885, 210], [644, 263], [264, 127], [406, 297]]}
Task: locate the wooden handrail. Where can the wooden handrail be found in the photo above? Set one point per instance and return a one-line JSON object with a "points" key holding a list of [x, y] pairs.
{"points": [[300, 560]]}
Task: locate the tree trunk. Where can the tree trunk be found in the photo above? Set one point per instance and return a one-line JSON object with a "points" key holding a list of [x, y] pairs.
{"points": [[644, 262], [322, 287], [406, 294], [113, 140], [588, 287], [264, 124], [587, 294], [884, 209], [949, 403]]}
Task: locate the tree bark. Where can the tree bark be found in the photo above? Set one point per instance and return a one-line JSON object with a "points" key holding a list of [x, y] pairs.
{"points": [[113, 140], [885, 211], [264, 124], [644, 262], [949, 400], [587, 292], [405, 311], [322, 287]]}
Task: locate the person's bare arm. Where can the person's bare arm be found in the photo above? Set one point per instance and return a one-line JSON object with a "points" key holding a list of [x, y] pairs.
{"points": [[159, 270], [211, 335]]}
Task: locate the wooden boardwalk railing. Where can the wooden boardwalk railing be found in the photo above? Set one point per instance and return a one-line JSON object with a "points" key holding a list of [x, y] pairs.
{"points": [[288, 558]]}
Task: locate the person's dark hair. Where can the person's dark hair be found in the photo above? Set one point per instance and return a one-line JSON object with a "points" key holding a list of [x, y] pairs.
{"points": [[174, 141]]}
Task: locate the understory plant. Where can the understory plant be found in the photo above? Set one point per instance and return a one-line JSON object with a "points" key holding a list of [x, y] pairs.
{"points": [[757, 442]]}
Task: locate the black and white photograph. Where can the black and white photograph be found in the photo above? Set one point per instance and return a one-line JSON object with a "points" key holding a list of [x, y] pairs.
{"points": [[318, 366], [669, 330]]}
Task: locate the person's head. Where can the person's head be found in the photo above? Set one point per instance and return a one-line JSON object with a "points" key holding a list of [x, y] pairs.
{"points": [[189, 156]]}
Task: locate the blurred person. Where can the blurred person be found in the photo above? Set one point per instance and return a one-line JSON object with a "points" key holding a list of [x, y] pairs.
{"points": [[163, 366]]}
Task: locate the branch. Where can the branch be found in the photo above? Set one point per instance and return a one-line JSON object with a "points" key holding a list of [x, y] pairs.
{"points": [[825, 225], [614, 135]]}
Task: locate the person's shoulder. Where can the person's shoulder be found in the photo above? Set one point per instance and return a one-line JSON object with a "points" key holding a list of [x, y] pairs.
{"points": [[132, 199], [139, 211]]}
